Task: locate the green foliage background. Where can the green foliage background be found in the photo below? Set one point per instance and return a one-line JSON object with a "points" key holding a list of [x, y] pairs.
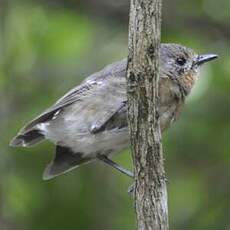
{"points": [[46, 48]]}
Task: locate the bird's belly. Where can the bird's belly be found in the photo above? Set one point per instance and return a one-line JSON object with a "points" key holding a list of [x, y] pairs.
{"points": [[70, 135], [168, 115], [75, 132], [106, 142]]}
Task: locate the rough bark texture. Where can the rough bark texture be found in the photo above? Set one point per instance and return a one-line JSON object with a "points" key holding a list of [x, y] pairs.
{"points": [[142, 79]]}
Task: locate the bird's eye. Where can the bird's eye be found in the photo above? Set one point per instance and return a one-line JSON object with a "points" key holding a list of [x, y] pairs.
{"points": [[181, 61]]}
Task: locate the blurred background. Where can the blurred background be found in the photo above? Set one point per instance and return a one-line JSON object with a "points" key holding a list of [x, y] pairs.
{"points": [[46, 48]]}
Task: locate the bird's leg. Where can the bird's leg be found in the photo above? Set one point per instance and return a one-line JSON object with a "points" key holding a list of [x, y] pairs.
{"points": [[108, 161], [131, 190]]}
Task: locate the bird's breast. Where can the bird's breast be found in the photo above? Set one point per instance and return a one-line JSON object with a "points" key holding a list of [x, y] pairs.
{"points": [[188, 80]]}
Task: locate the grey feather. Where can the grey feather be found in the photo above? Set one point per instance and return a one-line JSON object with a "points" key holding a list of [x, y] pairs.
{"points": [[92, 117], [27, 139], [94, 85], [64, 161]]}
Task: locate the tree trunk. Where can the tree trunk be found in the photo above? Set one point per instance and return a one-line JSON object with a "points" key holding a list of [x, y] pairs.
{"points": [[150, 190]]}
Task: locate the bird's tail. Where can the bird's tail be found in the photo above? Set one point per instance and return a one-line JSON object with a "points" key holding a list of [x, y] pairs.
{"points": [[64, 161]]}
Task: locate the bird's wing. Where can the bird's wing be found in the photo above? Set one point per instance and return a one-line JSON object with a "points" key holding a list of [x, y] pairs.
{"points": [[105, 89]]}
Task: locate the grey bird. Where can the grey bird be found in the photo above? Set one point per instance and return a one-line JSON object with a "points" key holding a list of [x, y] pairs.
{"points": [[90, 122]]}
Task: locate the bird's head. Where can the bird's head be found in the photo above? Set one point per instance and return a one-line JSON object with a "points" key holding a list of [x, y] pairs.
{"points": [[181, 64]]}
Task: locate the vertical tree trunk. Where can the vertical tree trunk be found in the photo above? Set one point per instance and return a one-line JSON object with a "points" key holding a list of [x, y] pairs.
{"points": [[142, 88]]}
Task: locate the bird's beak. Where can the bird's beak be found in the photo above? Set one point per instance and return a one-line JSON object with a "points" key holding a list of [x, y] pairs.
{"points": [[205, 58]]}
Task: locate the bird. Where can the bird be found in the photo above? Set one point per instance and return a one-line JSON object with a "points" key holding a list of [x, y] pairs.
{"points": [[90, 121]]}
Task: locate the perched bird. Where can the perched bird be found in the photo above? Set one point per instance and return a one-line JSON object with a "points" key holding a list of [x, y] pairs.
{"points": [[90, 121]]}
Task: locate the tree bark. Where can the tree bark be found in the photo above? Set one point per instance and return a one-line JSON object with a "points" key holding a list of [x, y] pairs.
{"points": [[150, 190]]}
